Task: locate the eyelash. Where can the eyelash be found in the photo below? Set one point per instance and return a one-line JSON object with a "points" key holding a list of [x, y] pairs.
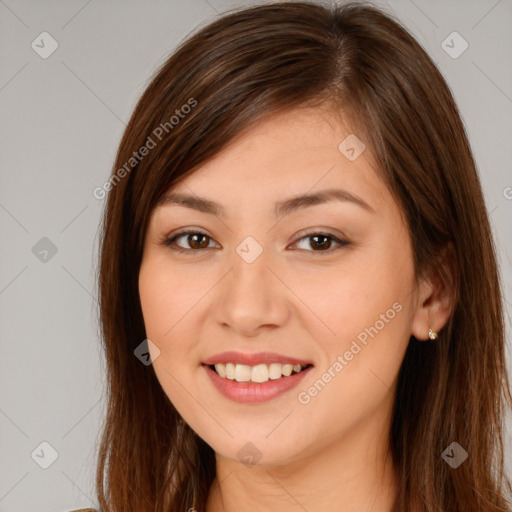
{"points": [[170, 242]]}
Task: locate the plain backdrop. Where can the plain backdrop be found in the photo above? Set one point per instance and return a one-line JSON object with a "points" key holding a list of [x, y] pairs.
{"points": [[61, 118]]}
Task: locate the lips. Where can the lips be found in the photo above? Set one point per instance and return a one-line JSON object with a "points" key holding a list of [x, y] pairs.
{"points": [[264, 385], [250, 392], [254, 359]]}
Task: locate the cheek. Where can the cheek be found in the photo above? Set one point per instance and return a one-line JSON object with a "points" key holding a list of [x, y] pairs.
{"points": [[166, 297], [155, 299], [171, 299], [165, 307], [365, 311], [349, 297]]}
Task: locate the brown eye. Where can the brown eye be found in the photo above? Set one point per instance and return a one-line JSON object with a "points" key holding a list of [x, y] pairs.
{"points": [[322, 242], [195, 241]]}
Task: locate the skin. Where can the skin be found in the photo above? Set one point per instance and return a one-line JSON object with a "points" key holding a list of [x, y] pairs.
{"points": [[295, 299]]}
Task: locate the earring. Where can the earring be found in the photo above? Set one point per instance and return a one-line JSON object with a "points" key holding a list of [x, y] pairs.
{"points": [[432, 335]]}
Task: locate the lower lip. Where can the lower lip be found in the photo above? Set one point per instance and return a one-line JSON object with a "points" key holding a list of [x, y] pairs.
{"points": [[252, 392]]}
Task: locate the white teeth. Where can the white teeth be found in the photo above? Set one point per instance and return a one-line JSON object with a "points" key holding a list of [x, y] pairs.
{"points": [[274, 370], [230, 371], [287, 369], [259, 373], [242, 373], [221, 369]]}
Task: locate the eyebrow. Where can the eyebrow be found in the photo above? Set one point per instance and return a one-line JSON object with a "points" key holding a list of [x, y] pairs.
{"points": [[282, 208]]}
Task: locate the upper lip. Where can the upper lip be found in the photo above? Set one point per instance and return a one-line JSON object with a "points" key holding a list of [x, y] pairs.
{"points": [[253, 359]]}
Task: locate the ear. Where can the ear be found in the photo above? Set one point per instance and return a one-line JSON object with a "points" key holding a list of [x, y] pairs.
{"points": [[436, 296]]}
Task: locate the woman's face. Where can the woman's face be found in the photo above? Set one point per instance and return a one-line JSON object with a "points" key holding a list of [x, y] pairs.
{"points": [[326, 282]]}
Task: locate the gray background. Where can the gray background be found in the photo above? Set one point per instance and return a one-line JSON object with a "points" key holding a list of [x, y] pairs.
{"points": [[61, 119]]}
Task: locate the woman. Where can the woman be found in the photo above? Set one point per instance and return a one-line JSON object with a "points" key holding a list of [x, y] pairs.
{"points": [[300, 300]]}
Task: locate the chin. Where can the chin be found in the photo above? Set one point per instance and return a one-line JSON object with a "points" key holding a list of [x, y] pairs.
{"points": [[260, 451]]}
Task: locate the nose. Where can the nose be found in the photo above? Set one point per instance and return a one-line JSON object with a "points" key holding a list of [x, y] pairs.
{"points": [[251, 297]]}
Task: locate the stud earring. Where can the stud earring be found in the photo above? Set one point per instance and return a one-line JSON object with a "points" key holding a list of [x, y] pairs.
{"points": [[432, 335]]}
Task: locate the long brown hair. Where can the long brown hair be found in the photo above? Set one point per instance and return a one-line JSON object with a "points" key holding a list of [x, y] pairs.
{"points": [[230, 74]]}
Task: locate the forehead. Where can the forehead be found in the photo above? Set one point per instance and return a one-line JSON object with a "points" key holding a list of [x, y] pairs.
{"points": [[289, 154]]}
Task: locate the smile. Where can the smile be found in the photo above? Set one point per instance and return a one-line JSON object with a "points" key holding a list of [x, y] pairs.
{"points": [[259, 373], [249, 391]]}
